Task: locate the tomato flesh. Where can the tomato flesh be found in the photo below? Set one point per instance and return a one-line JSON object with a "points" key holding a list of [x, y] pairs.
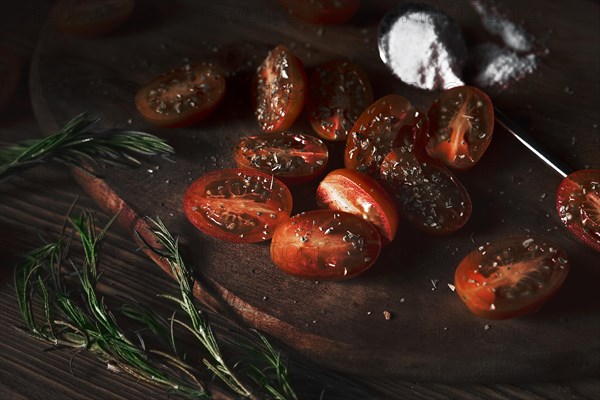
{"points": [[292, 157], [428, 194], [359, 194], [279, 90], [339, 92], [578, 205], [461, 126], [91, 18], [10, 74], [510, 277], [182, 96], [325, 245], [237, 205], [380, 128], [322, 11]]}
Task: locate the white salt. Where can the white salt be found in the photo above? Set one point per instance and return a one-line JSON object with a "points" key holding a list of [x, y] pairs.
{"points": [[497, 66], [416, 54]]}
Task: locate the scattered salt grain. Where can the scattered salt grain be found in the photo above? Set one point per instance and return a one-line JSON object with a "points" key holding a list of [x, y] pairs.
{"points": [[497, 66]]}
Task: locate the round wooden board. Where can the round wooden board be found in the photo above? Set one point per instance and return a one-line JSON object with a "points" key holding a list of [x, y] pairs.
{"points": [[431, 335]]}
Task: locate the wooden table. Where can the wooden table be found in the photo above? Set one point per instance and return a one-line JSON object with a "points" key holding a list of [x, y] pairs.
{"points": [[37, 202]]}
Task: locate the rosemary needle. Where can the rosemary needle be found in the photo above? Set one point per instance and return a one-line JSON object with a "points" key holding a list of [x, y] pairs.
{"points": [[77, 145]]}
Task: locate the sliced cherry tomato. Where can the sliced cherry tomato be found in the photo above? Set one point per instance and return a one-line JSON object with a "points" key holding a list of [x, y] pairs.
{"points": [[182, 96], [91, 17], [292, 157], [461, 123], [510, 277], [279, 90], [322, 11], [428, 194], [359, 194], [237, 205], [383, 125], [10, 74], [325, 245], [339, 92], [578, 205]]}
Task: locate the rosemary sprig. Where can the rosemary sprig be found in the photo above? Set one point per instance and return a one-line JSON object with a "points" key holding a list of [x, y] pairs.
{"points": [[88, 324], [77, 145], [271, 374], [75, 317]]}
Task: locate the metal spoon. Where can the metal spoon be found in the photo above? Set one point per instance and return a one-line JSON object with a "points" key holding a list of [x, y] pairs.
{"points": [[452, 42]]}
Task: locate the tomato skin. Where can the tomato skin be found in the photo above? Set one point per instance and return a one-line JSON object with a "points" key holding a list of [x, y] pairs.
{"points": [[461, 124], [578, 205], [354, 192], [428, 195], [292, 157], [10, 74], [237, 205], [332, 12], [325, 245], [383, 125], [91, 17], [511, 277], [339, 91], [279, 90], [181, 97]]}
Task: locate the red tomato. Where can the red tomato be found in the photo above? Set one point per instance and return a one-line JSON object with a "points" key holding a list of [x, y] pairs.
{"points": [[428, 194], [339, 92], [461, 123], [325, 245], [279, 90], [510, 277], [91, 17], [10, 74], [359, 194], [182, 96], [237, 205], [384, 124], [292, 157], [322, 11], [578, 205]]}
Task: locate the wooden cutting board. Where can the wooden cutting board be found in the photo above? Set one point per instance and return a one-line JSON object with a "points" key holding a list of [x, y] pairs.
{"points": [[431, 335]]}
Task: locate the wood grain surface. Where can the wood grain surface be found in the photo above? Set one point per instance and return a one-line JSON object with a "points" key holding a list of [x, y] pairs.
{"points": [[37, 203]]}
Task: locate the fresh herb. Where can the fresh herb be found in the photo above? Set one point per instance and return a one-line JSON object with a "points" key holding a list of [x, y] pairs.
{"points": [[77, 145], [75, 317]]}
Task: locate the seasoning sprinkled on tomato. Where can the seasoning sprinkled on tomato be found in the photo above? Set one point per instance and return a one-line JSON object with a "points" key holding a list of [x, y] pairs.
{"points": [[279, 90], [182, 96], [578, 205], [511, 277], [237, 205]]}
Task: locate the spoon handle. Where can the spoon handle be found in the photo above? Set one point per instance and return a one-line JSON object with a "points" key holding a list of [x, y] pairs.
{"points": [[532, 144]]}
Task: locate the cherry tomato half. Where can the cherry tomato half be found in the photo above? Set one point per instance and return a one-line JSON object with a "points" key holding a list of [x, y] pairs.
{"points": [[380, 128], [461, 123], [10, 74], [428, 194], [359, 194], [510, 277], [325, 245], [339, 92], [279, 90], [182, 96], [91, 17], [292, 157], [578, 205], [237, 205], [322, 11]]}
